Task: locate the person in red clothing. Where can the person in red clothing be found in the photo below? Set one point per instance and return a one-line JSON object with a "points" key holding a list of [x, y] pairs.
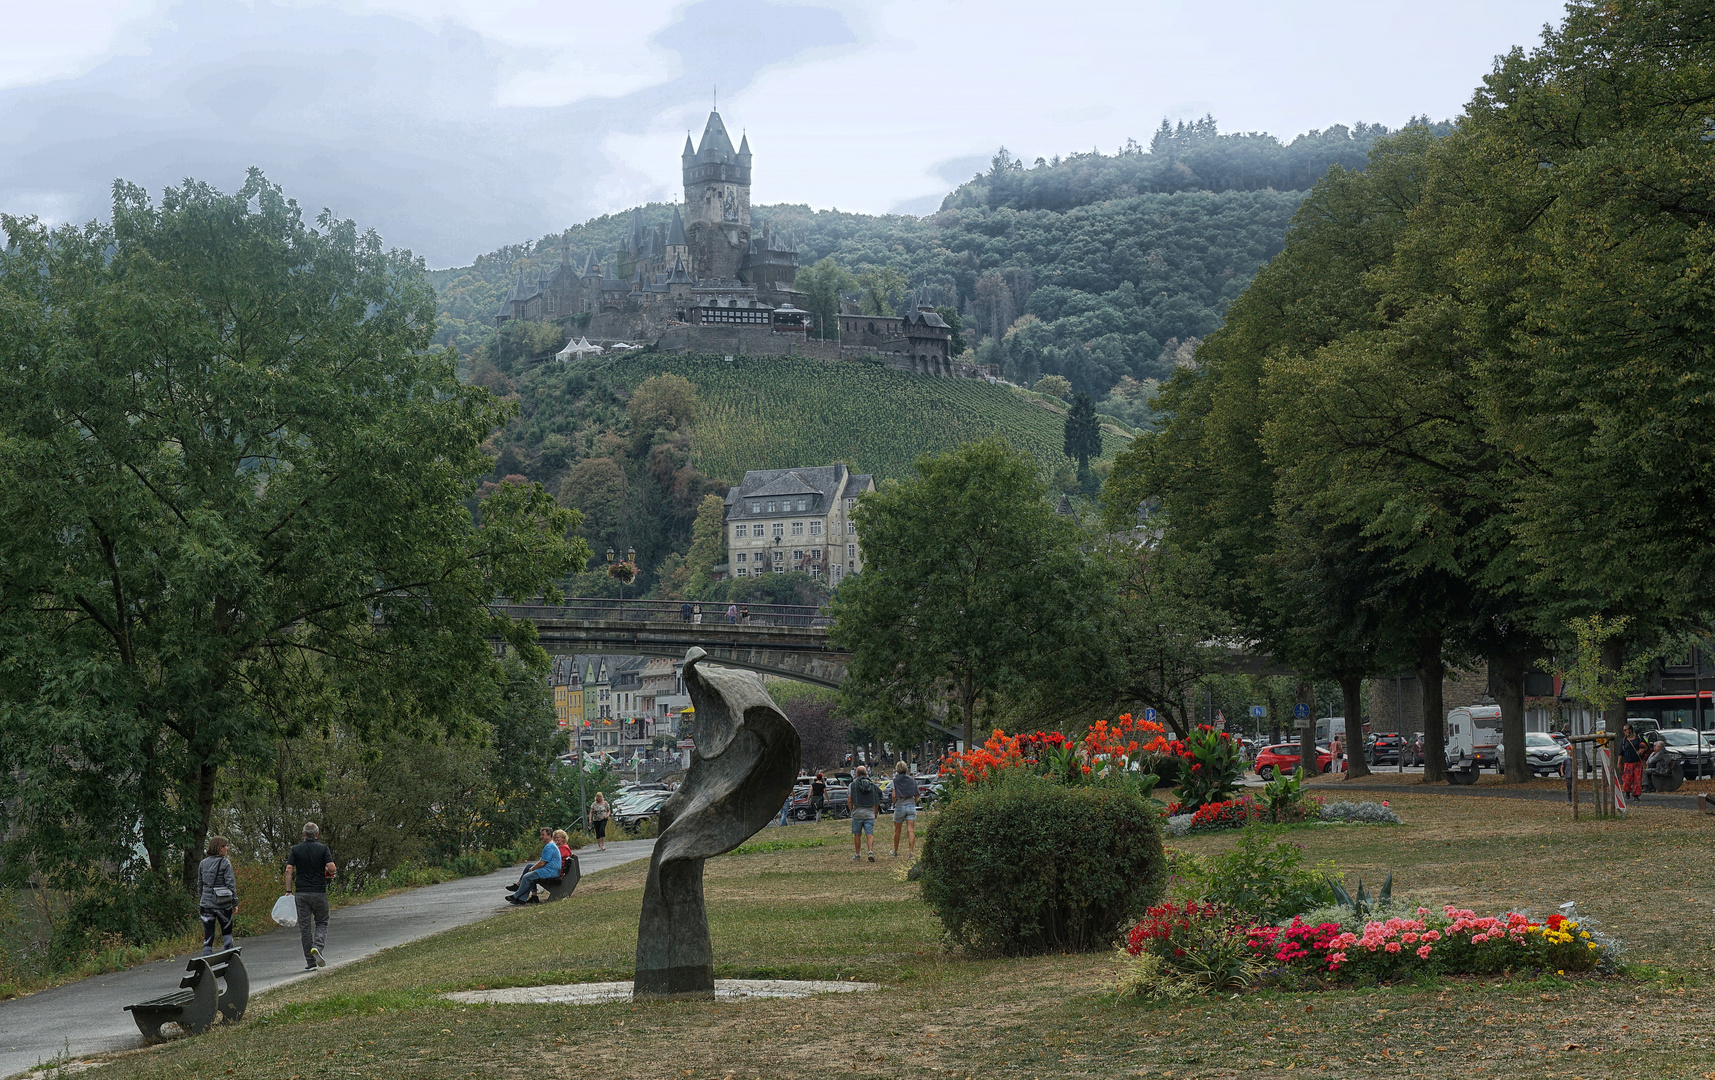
{"points": [[1631, 763], [563, 842]]}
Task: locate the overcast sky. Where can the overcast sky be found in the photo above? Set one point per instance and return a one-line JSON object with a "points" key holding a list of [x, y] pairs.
{"points": [[455, 126]]}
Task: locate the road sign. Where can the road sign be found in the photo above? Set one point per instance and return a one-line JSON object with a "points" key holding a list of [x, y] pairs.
{"points": [[687, 744], [1259, 711], [1149, 714], [1301, 711]]}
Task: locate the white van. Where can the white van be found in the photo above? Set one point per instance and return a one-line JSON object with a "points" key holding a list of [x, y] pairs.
{"points": [[1473, 742]]}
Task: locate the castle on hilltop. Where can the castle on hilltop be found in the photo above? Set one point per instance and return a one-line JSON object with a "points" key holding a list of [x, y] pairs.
{"points": [[703, 282]]}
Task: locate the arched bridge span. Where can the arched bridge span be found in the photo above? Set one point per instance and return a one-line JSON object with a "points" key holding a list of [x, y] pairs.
{"points": [[776, 639]]}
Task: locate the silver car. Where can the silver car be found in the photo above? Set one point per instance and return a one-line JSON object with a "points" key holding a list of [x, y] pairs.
{"points": [[1542, 754]]}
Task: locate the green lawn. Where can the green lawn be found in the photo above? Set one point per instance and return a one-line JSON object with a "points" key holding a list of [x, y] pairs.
{"points": [[811, 912]]}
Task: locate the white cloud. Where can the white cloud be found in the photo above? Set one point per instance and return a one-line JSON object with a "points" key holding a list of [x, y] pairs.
{"points": [[459, 125]]}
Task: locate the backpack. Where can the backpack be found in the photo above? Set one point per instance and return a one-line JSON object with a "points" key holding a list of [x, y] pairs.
{"points": [[864, 792]]}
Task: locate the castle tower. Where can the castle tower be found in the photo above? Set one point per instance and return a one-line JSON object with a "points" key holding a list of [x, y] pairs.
{"points": [[717, 202]]}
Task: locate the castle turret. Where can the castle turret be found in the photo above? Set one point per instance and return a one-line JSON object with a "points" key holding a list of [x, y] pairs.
{"points": [[717, 202]]}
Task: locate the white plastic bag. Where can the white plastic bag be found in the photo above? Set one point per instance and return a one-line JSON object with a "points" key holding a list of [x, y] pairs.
{"points": [[285, 911]]}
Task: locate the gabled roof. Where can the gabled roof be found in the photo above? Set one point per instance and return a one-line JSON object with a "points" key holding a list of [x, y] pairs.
{"points": [[789, 483]]}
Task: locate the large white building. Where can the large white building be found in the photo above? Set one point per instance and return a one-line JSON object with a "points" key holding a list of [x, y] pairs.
{"points": [[779, 520]]}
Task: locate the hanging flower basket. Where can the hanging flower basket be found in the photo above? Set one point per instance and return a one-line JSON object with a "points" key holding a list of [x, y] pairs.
{"points": [[623, 572]]}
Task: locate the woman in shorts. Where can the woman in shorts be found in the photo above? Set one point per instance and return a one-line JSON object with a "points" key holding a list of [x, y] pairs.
{"points": [[599, 813], [904, 808]]}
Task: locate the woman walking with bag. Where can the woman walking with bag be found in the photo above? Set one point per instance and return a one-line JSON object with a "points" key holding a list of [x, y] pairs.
{"points": [[599, 813], [217, 895]]}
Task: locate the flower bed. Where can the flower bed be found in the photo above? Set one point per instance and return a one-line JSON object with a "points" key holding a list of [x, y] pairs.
{"points": [[1184, 942], [1367, 813]]}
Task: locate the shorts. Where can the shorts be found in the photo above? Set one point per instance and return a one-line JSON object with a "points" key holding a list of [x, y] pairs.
{"points": [[863, 824], [905, 811]]}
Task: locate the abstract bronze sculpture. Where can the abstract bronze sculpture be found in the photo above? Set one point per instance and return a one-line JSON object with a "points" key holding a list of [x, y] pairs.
{"points": [[742, 771]]}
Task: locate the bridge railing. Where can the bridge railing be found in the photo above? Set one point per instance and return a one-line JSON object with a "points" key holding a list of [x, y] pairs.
{"points": [[664, 611]]}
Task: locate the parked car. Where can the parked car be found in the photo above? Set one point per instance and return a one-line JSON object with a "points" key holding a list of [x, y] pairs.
{"points": [[631, 813], [798, 806], [1541, 753], [1283, 758], [1383, 748], [1412, 751]]}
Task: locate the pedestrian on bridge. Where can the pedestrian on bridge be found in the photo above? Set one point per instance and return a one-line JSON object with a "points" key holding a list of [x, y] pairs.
{"points": [[685, 611], [732, 614]]}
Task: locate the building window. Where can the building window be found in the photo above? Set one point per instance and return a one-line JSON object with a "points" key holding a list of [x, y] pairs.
{"points": [[771, 508], [742, 572], [851, 528], [797, 556], [797, 528], [756, 508], [815, 528], [779, 556], [815, 571], [779, 569], [738, 532], [779, 529], [851, 551], [742, 557], [815, 554], [801, 505]]}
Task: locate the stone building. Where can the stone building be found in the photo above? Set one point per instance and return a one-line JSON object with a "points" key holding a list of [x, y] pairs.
{"points": [[703, 266], [795, 519]]}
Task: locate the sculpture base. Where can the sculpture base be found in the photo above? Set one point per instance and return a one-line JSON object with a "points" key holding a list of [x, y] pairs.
{"points": [[690, 981]]}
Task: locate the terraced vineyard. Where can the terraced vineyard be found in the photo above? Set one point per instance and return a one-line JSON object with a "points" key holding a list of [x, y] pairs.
{"points": [[771, 412]]}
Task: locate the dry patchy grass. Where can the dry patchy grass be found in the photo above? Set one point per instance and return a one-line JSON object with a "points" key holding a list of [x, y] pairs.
{"points": [[811, 912]]}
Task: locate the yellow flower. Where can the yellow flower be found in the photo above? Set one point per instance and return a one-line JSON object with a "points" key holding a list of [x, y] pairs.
{"points": [[1592, 945], [1584, 933]]}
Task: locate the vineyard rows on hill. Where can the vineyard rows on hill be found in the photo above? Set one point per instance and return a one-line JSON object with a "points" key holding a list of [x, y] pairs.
{"points": [[771, 412]]}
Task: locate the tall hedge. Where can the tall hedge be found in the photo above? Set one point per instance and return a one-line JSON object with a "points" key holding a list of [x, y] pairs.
{"points": [[1028, 865]]}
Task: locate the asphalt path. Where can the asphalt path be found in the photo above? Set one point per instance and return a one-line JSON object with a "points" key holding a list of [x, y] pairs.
{"points": [[88, 1017]]}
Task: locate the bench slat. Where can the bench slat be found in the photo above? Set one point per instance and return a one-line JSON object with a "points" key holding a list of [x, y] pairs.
{"points": [[169, 1001]]}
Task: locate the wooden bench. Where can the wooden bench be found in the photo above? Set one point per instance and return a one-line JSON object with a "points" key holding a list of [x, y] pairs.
{"points": [[199, 998]]}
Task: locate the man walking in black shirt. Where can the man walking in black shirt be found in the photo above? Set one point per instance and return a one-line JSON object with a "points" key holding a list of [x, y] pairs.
{"points": [[309, 868]]}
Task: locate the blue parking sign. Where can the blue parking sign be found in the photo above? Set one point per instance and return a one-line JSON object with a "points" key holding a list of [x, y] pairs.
{"points": [[1301, 711], [1149, 714]]}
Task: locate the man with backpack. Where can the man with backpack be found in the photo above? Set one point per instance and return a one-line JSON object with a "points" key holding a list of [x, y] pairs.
{"points": [[862, 798]]}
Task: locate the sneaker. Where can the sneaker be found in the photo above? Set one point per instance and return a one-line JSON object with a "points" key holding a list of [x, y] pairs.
{"points": [[311, 966], [872, 856], [320, 960], [856, 857], [895, 854]]}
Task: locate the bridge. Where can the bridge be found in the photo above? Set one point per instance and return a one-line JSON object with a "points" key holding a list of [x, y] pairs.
{"points": [[776, 639]]}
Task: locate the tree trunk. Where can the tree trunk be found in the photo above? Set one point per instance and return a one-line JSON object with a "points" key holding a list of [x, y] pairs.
{"points": [[1430, 672], [1506, 682], [207, 774], [1352, 698], [1305, 694], [1613, 659]]}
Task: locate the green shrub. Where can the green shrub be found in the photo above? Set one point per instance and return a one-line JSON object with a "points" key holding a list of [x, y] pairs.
{"points": [[110, 914], [1028, 866], [1263, 877]]}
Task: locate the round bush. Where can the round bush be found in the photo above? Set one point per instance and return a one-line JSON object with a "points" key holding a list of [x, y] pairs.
{"points": [[1027, 865]]}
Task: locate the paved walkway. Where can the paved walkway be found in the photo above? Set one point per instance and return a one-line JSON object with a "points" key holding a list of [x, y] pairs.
{"points": [[88, 1017]]}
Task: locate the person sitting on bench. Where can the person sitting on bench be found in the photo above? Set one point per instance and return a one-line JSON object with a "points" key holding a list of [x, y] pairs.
{"points": [[544, 869], [1657, 764], [564, 843]]}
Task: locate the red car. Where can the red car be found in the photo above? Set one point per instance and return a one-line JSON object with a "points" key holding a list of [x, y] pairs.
{"points": [[1283, 758]]}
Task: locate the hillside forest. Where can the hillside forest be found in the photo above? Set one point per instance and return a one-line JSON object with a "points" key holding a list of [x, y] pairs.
{"points": [[1102, 268]]}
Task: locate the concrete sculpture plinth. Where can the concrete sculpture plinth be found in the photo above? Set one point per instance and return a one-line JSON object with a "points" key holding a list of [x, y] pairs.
{"points": [[742, 771]]}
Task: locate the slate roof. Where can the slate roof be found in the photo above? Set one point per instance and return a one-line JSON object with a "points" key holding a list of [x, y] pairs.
{"points": [[821, 481]]}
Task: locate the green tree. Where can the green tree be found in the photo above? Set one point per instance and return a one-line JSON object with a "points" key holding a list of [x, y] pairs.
{"points": [[1083, 432], [821, 283], [973, 586], [882, 287], [708, 544], [956, 346], [661, 403], [1054, 386], [234, 476]]}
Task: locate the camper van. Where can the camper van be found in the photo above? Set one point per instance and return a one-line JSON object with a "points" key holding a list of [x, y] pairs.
{"points": [[1473, 742]]}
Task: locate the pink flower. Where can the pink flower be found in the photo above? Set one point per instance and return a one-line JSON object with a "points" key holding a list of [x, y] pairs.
{"points": [[1478, 939], [1393, 946], [1423, 952], [1409, 939], [1432, 935]]}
